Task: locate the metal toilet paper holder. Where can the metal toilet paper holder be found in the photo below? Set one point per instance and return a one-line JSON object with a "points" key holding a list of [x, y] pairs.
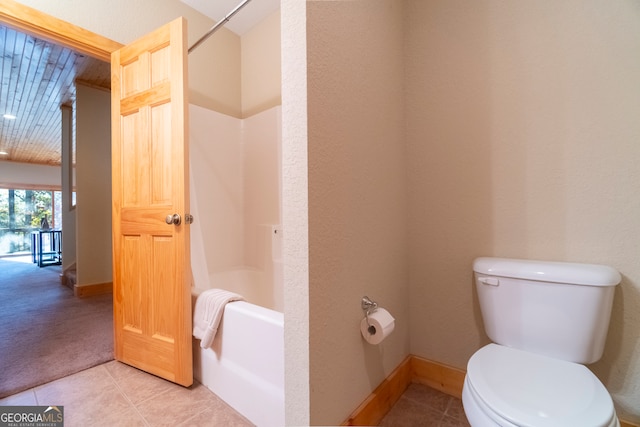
{"points": [[369, 307]]}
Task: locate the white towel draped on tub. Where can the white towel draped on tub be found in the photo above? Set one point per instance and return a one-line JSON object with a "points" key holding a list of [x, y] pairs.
{"points": [[208, 313]]}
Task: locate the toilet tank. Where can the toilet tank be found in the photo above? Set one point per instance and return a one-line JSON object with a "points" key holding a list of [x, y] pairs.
{"points": [[560, 310]]}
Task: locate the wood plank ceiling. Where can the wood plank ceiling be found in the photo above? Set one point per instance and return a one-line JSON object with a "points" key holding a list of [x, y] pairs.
{"points": [[36, 78]]}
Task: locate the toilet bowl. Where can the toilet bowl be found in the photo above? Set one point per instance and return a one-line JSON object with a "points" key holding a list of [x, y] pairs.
{"points": [[510, 387], [546, 320]]}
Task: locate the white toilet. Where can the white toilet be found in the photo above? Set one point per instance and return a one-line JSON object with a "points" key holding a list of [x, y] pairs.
{"points": [[546, 320]]}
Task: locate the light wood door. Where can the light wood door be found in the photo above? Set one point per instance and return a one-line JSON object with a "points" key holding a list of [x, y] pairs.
{"points": [[151, 277]]}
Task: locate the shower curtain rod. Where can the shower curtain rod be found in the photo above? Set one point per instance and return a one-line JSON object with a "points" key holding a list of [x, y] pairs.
{"points": [[218, 25]]}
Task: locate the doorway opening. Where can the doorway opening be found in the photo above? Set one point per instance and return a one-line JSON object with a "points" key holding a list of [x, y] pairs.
{"points": [[38, 291]]}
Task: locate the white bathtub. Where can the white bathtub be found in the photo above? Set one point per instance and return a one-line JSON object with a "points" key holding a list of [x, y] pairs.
{"points": [[245, 364]]}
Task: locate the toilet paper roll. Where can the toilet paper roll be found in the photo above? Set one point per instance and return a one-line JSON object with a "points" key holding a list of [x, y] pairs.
{"points": [[380, 326]]}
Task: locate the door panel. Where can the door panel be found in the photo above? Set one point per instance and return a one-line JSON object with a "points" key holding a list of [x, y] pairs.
{"points": [[152, 298]]}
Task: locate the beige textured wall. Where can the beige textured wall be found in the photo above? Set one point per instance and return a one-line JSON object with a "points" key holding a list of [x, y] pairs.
{"points": [[214, 67], [523, 141], [357, 198], [260, 59]]}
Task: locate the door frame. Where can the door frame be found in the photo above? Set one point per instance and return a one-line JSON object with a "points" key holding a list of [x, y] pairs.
{"points": [[38, 24]]}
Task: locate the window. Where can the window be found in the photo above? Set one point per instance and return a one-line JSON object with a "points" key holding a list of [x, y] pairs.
{"points": [[23, 211]]}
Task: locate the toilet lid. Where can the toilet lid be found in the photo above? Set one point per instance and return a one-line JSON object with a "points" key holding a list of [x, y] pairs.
{"points": [[527, 389]]}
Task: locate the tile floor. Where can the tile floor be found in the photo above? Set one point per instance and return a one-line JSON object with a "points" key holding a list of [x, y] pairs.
{"points": [[424, 406], [115, 394]]}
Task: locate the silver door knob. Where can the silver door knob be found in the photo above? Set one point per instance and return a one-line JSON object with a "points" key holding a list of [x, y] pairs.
{"points": [[173, 219]]}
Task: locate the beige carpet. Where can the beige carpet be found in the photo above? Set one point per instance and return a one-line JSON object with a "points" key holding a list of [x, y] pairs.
{"points": [[46, 332]]}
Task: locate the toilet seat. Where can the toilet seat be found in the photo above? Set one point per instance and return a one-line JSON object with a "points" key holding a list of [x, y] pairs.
{"points": [[514, 387]]}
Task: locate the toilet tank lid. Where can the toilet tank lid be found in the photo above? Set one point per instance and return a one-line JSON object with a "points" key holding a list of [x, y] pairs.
{"points": [[548, 271]]}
